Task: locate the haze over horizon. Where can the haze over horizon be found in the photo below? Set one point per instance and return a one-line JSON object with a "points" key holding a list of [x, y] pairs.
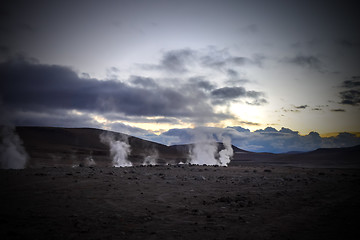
{"points": [[273, 75]]}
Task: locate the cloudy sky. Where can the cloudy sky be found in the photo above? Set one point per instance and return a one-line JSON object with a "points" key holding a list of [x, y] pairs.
{"points": [[159, 68]]}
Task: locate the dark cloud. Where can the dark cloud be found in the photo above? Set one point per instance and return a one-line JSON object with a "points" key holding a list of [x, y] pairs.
{"points": [[298, 108], [58, 118], [85, 75], [350, 97], [301, 107], [220, 62], [202, 83], [221, 95], [229, 92], [177, 60], [257, 102], [114, 116], [249, 123], [338, 110], [143, 81], [290, 110], [307, 61], [235, 92], [39, 88], [174, 61], [234, 79], [354, 82], [232, 73], [254, 94], [183, 60]]}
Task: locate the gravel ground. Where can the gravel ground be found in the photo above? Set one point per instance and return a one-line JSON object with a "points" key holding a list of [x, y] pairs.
{"points": [[180, 202]]}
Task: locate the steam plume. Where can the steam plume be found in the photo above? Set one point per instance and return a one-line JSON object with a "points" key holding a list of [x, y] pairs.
{"points": [[150, 160], [226, 153], [205, 149], [89, 161], [119, 149], [12, 153]]}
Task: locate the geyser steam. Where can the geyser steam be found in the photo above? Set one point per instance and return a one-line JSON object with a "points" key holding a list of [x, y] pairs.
{"points": [[119, 149], [227, 152], [151, 158], [12, 153], [205, 149]]}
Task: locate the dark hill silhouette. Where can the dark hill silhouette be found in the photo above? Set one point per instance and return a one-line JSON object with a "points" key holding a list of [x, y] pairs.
{"points": [[69, 146], [53, 146]]}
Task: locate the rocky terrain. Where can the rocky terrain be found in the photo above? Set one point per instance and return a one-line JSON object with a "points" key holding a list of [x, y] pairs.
{"points": [[180, 202]]}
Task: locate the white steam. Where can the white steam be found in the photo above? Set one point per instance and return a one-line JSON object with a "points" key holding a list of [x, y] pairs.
{"points": [[205, 149], [119, 150], [12, 153], [227, 152], [89, 161], [150, 160]]}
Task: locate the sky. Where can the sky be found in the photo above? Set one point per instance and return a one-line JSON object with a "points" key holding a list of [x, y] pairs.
{"points": [[274, 75]]}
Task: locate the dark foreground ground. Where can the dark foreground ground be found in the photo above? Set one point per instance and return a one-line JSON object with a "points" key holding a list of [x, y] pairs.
{"points": [[180, 202]]}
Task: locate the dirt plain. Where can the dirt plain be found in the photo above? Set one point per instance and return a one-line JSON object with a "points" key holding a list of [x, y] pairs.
{"points": [[247, 201]]}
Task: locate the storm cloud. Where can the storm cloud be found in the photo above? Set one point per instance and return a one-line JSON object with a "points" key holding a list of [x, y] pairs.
{"points": [[32, 87], [352, 83], [351, 96], [230, 93], [143, 81]]}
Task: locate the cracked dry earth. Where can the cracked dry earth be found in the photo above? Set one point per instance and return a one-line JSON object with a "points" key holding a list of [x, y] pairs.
{"points": [[180, 202]]}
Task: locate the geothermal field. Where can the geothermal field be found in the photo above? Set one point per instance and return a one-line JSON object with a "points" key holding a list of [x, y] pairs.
{"points": [[93, 184]]}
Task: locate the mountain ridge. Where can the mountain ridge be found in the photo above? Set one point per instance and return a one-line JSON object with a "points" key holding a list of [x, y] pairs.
{"points": [[57, 146]]}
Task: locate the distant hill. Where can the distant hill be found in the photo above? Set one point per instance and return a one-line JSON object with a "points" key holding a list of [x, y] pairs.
{"points": [[348, 157], [54, 146], [51, 146]]}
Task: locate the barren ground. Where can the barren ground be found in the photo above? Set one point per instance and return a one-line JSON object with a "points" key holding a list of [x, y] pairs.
{"points": [[180, 202]]}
